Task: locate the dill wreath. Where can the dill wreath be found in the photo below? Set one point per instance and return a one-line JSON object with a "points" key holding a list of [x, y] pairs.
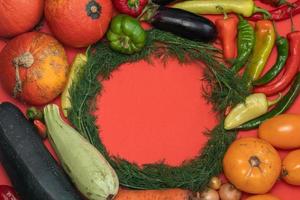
{"points": [[225, 89]]}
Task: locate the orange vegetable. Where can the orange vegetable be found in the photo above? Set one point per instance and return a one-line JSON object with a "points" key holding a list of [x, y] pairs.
{"points": [[78, 23], [282, 131], [34, 68], [252, 165], [263, 197], [227, 29], [17, 16], [169, 194], [291, 168]]}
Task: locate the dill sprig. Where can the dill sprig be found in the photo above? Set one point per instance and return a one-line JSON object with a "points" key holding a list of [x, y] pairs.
{"points": [[225, 89]]}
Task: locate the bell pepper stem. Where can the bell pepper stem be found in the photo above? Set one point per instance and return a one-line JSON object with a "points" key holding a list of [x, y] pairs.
{"points": [[275, 101], [266, 13]]}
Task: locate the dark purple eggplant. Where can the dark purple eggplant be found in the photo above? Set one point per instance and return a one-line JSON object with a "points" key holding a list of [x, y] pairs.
{"points": [[184, 24], [162, 2]]}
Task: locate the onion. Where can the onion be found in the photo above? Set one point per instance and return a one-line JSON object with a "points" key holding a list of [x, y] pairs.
{"points": [[209, 194], [215, 183], [229, 192]]}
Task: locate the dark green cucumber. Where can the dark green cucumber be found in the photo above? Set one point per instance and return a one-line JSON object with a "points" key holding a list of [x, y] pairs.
{"points": [[31, 168]]}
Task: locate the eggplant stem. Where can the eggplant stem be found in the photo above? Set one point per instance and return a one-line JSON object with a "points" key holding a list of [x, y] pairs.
{"points": [[148, 12]]}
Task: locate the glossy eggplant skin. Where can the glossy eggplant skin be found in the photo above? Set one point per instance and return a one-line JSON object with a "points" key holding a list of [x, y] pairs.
{"points": [[184, 24], [31, 168], [162, 2]]}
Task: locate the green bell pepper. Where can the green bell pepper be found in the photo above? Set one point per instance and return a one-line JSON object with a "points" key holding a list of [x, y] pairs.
{"points": [[126, 35]]}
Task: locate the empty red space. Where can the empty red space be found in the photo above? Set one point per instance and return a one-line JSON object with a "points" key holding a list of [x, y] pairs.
{"points": [[153, 112]]}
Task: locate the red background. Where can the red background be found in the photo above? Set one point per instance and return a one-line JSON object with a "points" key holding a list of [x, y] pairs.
{"points": [[153, 112]]}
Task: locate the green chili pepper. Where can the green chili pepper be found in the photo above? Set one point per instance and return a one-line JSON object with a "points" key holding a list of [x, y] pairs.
{"points": [[282, 45], [246, 40], [264, 42], [126, 35], [283, 105], [254, 106]]}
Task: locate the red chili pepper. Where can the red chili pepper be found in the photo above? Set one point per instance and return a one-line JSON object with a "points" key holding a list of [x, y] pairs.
{"points": [[41, 127], [227, 28], [130, 7], [281, 13], [274, 2], [8, 193], [291, 68]]}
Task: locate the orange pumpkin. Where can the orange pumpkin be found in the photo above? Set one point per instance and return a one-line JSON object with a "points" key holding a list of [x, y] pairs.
{"points": [[19, 16], [2, 44], [78, 23], [263, 197], [252, 165], [282, 131], [34, 68], [291, 168]]}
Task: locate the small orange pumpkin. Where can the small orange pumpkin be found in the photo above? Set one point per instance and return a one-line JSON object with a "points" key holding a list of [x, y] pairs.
{"points": [[78, 23], [263, 197], [291, 168], [34, 68], [252, 165], [17, 16]]}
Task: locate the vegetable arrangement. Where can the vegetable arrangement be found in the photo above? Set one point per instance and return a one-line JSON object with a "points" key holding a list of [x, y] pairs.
{"points": [[34, 69]]}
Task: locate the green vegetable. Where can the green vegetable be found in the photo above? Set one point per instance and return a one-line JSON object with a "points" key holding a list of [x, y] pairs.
{"points": [[33, 113], [264, 42], [254, 106], [126, 35], [32, 170], [87, 168], [282, 52], [243, 7], [283, 105], [76, 69], [246, 39]]}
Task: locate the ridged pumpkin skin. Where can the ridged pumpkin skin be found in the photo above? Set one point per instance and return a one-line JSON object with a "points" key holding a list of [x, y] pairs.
{"points": [[78, 23], [43, 71], [19, 16], [2, 44]]}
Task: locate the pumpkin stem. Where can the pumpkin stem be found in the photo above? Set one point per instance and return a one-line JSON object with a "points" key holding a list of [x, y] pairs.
{"points": [[25, 60], [93, 9], [254, 161]]}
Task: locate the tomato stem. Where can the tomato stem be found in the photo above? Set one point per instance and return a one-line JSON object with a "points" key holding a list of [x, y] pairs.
{"points": [[254, 161]]}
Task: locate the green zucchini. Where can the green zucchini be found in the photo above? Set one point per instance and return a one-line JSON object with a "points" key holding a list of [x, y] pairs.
{"points": [[31, 168], [85, 165]]}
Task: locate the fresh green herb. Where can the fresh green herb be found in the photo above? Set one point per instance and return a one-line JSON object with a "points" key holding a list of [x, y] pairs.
{"points": [[193, 175]]}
